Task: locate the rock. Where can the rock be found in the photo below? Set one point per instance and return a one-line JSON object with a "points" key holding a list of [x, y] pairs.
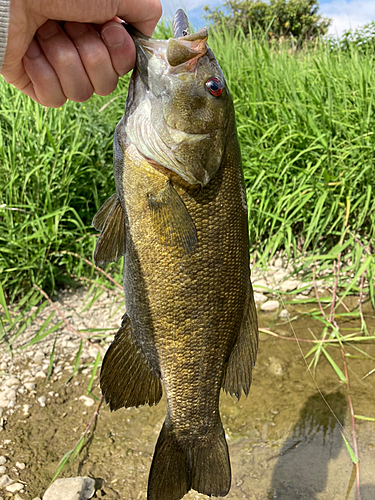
{"points": [[259, 298], [17, 497], [270, 305], [40, 374], [5, 481], [30, 386], [11, 381], [279, 262], [13, 488], [289, 285], [280, 275], [75, 488], [42, 400], [39, 357], [275, 367], [261, 285], [86, 400], [2, 460], [284, 314], [26, 410], [3, 469], [20, 465]]}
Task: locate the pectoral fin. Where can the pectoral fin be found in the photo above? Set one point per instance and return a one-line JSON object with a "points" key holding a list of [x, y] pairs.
{"points": [[126, 378], [242, 359], [111, 242], [172, 221], [103, 212]]}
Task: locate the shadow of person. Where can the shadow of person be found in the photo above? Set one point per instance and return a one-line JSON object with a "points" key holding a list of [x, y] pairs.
{"points": [[302, 465]]}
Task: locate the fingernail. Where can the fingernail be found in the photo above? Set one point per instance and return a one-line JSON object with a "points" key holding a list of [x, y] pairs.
{"points": [[113, 35], [33, 51], [48, 29]]}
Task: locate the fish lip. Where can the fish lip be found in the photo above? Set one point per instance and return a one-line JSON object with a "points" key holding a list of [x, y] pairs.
{"points": [[148, 47]]}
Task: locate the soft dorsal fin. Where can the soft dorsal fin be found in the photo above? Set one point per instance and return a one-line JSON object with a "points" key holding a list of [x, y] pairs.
{"points": [[111, 242], [172, 221]]}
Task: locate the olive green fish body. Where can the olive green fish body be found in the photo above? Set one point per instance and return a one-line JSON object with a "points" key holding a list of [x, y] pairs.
{"points": [[182, 226]]}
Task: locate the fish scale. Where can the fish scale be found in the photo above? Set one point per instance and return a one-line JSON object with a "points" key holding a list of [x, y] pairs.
{"points": [[190, 323]]}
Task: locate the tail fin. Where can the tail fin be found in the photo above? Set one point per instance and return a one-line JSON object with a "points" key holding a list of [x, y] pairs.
{"points": [[203, 466]]}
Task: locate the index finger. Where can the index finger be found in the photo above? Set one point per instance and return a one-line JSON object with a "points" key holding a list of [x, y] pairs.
{"points": [[142, 14]]}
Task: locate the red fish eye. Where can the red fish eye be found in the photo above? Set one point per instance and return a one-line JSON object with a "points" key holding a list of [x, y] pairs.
{"points": [[214, 86]]}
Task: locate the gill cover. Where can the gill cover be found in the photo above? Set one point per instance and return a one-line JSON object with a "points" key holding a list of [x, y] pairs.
{"points": [[170, 116]]}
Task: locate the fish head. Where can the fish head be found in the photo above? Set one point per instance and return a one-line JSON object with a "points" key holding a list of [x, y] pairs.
{"points": [[179, 105]]}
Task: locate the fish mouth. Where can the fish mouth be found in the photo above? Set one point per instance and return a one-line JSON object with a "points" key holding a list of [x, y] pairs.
{"points": [[180, 53]]}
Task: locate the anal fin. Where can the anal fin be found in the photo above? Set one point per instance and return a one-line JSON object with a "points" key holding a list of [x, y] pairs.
{"points": [[111, 242], [126, 378], [239, 368], [172, 221]]}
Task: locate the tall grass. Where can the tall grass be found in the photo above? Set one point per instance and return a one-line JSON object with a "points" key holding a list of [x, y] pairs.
{"points": [[306, 127]]}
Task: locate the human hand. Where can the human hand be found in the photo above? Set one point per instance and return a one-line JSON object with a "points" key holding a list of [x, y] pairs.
{"points": [[51, 63]]}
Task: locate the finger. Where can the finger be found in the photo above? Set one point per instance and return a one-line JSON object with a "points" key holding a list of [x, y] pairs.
{"points": [[94, 56], [44, 86], [120, 47], [143, 14], [65, 60]]}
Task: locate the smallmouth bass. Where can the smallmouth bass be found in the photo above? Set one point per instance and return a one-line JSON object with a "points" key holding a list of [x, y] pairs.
{"points": [[179, 217]]}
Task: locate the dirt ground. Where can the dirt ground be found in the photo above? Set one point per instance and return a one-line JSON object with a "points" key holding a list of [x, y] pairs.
{"points": [[285, 439]]}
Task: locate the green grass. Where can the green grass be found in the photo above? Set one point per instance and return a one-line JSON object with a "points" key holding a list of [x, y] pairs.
{"points": [[306, 125]]}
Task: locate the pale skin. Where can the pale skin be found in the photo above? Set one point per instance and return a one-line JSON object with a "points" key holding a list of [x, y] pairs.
{"points": [[51, 61]]}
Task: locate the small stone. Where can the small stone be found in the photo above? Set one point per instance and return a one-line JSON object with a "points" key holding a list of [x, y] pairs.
{"points": [[289, 285], [20, 465], [2, 460], [280, 275], [270, 305], [259, 298], [40, 374], [42, 400], [275, 367], [30, 386], [75, 488], [37, 498], [26, 410], [86, 400], [3, 469], [13, 488], [5, 481], [39, 357], [11, 381], [279, 263], [261, 285], [284, 314], [17, 497]]}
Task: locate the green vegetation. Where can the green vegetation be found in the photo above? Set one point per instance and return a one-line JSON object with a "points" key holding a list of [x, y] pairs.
{"points": [[297, 19], [306, 126]]}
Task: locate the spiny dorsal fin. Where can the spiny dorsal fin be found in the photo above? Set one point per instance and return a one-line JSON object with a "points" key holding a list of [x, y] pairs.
{"points": [[242, 359], [172, 221], [103, 212], [126, 378], [111, 242]]}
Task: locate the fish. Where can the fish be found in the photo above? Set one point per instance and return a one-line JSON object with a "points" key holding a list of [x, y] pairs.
{"points": [[179, 217]]}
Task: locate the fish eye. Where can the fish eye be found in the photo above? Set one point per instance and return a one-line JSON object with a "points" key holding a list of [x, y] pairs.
{"points": [[214, 86]]}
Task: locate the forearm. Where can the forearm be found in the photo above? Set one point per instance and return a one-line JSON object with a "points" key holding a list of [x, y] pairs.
{"points": [[4, 23]]}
